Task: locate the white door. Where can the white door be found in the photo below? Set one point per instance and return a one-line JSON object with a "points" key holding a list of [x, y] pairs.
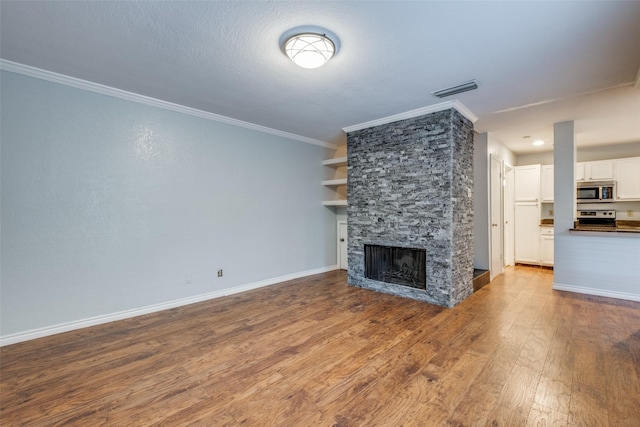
{"points": [[342, 245], [509, 231], [496, 217]]}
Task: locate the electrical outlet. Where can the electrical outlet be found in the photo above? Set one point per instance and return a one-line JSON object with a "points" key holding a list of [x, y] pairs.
{"points": [[630, 213], [220, 273]]}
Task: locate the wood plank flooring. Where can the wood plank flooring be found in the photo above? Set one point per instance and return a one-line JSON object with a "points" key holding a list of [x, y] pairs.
{"points": [[315, 352]]}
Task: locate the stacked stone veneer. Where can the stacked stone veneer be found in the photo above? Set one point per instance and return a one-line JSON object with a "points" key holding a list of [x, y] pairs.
{"points": [[410, 185]]}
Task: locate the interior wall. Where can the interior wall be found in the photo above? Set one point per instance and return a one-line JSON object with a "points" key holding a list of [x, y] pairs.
{"points": [[606, 152], [501, 152], [109, 205], [544, 158], [584, 154]]}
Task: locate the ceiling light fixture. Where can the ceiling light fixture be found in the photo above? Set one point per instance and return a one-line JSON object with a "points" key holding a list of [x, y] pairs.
{"points": [[309, 50], [538, 142]]}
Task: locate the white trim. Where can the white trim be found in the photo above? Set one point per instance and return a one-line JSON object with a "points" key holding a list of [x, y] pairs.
{"points": [[98, 320], [598, 292], [339, 255], [38, 73], [415, 113]]}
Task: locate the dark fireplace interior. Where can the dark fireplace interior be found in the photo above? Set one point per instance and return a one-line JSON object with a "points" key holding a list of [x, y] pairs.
{"points": [[401, 266]]}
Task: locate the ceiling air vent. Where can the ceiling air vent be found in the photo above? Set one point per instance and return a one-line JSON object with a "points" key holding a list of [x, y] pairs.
{"points": [[464, 87]]}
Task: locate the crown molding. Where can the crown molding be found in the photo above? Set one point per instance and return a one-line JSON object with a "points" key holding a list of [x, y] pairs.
{"points": [[415, 113], [50, 76]]}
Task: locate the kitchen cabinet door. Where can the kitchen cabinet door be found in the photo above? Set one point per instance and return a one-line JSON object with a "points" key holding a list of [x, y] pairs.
{"points": [[546, 184], [600, 170], [580, 172], [546, 250], [527, 237], [546, 246], [527, 183], [628, 179]]}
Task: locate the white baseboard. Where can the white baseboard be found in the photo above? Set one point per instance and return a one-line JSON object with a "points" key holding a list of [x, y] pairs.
{"points": [[597, 292], [98, 320]]}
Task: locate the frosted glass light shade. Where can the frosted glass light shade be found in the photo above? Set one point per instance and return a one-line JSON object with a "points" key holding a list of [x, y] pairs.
{"points": [[309, 50]]}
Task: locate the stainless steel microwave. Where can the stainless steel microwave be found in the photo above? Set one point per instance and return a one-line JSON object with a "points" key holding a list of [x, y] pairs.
{"points": [[596, 192]]}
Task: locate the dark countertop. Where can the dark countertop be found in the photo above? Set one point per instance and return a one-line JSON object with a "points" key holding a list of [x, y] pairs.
{"points": [[621, 227]]}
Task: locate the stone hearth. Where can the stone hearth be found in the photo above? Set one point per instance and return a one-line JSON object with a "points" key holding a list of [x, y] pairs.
{"points": [[410, 185]]}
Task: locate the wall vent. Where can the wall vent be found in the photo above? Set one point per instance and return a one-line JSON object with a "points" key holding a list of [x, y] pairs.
{"points": [[464, 87]]}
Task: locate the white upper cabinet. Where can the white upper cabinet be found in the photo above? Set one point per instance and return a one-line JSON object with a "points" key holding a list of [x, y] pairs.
{"points": [[594, 171], [527, 183], [580, 172], [628, 179], [546, 184]]}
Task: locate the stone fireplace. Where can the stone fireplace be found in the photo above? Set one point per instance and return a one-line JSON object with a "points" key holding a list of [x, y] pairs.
{"points": [[410, 192]]}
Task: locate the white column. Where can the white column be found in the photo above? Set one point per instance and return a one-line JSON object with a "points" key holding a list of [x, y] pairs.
{"points": [[564, 199], [564, 187]]}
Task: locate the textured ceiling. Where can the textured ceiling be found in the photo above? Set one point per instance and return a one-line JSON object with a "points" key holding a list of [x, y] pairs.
{"points": [[225, 57]]}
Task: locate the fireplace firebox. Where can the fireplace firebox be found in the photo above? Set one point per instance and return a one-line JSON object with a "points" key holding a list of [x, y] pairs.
{"points": [[397, 265]]}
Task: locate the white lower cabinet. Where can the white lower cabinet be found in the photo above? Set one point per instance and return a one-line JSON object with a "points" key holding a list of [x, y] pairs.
{"points": [[546, 246], [527, 237]]}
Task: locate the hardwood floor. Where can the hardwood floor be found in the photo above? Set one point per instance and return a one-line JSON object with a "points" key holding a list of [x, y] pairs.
{"points": [[316, 352]]}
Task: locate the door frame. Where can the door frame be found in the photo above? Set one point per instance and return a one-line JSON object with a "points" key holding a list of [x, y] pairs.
{"points": [[508, 214], [498, 199], [338, 249]]}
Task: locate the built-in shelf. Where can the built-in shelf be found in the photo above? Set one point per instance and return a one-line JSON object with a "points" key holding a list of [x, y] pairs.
{"points": [[334, 203], [333, 182], [337, 162]]}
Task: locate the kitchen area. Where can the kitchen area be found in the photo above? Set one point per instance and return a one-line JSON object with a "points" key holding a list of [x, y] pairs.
{"points": [[607, 201]]}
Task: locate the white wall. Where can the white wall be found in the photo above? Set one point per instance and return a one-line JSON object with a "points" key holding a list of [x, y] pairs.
{"points": [[501, 152], [544, 158], [108, 205], [606, 152], [584, 154]]}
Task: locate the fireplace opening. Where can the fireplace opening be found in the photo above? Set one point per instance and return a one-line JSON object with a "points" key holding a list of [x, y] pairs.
{"points": [[400, 266]]}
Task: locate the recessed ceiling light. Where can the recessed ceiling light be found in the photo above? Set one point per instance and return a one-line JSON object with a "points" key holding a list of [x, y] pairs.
{"points": [[309, 50], [538, 142]]}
